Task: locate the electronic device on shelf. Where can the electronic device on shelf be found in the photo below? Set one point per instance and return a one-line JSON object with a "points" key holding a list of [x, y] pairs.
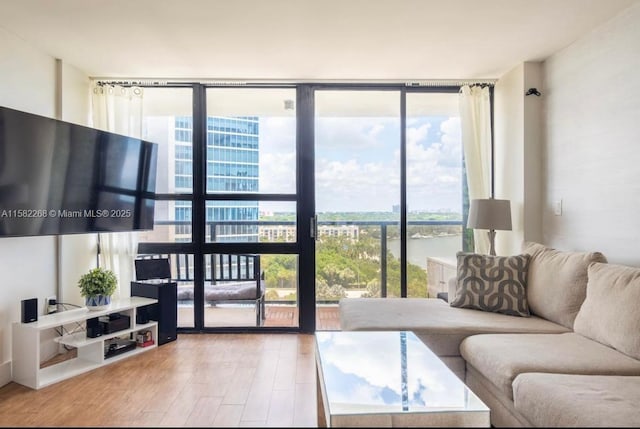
{"points": [[94, 328], [116, 346], [29, 310], [114, 322], [153, 280]]}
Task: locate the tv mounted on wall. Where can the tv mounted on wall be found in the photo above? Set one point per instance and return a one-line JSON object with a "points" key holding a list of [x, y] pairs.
{"points": [[61, 178]]}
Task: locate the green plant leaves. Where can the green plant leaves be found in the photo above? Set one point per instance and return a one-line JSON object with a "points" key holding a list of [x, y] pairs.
{"points": [[98, 281]]}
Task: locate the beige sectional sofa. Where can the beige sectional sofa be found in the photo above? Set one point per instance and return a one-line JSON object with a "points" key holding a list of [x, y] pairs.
{"points": [[575, 361]]}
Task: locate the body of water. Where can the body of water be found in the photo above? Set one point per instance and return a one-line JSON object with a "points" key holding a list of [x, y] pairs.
{"points": [[419, 248]]}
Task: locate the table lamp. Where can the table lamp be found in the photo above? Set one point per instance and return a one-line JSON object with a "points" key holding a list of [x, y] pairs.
{"points": [[490, 214]]}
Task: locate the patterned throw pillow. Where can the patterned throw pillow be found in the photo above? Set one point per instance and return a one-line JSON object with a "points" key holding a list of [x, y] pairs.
{"points": [[492, 283]]}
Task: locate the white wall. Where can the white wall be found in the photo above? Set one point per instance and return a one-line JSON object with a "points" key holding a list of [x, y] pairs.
{"points": [[592, 153], [28, 265], [77, 253], [517, 154], [28, 83]]}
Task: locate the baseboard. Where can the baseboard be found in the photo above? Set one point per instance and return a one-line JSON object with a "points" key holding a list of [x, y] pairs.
{"points": [[5, 373]]}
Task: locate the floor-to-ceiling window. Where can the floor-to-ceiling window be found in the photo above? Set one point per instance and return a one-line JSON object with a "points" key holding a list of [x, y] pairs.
{"points": [[434, 179], [250, 197], [243, 170], [388, 190], [168, 121], [357, 194]]}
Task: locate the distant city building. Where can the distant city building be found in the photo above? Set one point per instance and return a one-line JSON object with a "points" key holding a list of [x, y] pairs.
{"points": [[288, 232], [232, 167], [395, 208]]}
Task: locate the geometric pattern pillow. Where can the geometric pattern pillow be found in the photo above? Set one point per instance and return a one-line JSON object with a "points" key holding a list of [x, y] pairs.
{"points": [[492, 283]]}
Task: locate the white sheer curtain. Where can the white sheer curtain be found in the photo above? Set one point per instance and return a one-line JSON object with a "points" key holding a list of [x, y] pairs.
{"points": [[119, 110], [475, 118]]}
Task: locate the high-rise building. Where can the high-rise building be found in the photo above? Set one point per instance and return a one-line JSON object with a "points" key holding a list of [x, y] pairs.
{"points": [[232, 167]]}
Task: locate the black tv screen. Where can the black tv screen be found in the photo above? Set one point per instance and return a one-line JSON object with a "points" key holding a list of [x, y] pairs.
{"points": [[61, 178]]}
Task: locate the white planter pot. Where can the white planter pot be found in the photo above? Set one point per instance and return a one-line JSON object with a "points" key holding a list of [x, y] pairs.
{"points": [[98, 302]]}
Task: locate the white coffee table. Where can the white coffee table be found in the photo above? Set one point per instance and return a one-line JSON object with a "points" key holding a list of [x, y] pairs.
{"points": [[389, 379]]}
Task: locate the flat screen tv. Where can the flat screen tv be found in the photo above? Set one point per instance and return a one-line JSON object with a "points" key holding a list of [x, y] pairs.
{"points": [[61, 178]]}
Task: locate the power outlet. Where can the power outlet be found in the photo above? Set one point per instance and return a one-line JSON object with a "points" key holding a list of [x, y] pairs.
{"points": [[48, 308]]}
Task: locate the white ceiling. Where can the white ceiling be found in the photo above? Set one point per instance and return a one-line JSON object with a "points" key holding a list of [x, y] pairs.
{"points": [[303, 39]]}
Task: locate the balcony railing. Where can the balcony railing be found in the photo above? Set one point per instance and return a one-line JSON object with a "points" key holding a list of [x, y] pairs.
{"points": [[184, 262]]}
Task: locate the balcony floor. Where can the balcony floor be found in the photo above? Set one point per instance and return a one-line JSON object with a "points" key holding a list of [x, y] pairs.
{"points": [[327, 316]]}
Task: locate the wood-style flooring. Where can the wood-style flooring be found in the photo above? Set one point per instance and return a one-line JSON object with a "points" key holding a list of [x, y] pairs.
{"points": [[327, 317], [228, 380]]}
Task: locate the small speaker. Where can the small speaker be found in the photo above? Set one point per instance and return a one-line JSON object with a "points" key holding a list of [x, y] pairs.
{"points": [[142, 315], [29, 310], [94, 328]]}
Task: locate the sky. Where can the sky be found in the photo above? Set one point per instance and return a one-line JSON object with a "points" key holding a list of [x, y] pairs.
{"points": [[358, 162], [357, 148]]}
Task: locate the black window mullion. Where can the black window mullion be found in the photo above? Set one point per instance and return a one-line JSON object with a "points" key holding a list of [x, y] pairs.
{"points": [[403, 193], [305, 148], [198, 205]]}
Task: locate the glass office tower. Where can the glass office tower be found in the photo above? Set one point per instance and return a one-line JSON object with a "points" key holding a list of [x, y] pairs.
{"points": [[232, 167]]}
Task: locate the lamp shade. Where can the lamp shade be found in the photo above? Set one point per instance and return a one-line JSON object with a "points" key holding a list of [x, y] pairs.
{"points": [[490, 214]]}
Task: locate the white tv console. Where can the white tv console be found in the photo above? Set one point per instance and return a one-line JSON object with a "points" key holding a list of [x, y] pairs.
{"points": [[26, 341]]}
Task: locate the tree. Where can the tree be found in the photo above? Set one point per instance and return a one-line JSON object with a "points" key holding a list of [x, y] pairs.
{"points": [[324, 292]]}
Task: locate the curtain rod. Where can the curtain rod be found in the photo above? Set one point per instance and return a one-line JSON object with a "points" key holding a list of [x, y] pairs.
{"points": [[236, 83]]}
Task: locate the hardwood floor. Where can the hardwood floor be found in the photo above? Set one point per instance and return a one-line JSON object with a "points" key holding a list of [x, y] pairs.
{"points": [[227, 380]]}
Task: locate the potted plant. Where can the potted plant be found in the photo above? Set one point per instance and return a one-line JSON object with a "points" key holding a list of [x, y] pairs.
{"points": [[97, 286]]}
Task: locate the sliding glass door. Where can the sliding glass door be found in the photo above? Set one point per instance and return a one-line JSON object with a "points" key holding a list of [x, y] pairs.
{"points": [[388, 191], [250, 202], [357, 196]]}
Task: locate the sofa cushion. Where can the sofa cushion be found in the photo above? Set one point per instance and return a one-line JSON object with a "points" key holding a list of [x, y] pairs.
{"points": [[185, 292], [223, 291], [501, 358], [492, 283], [563, 400], [610, 313], [438, 325], [557, 281]]}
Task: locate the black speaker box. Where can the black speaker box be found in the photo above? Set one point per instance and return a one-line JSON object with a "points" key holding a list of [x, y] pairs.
{"points": [[94, 327], [29, 310], [165, 312], [148, 269]]}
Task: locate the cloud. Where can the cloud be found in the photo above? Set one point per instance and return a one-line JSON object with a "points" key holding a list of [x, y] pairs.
{"points": [[358, 162], [278, 172], [355, 186], [348, 134], [434, 171], [277, 134], [277, 168]]}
